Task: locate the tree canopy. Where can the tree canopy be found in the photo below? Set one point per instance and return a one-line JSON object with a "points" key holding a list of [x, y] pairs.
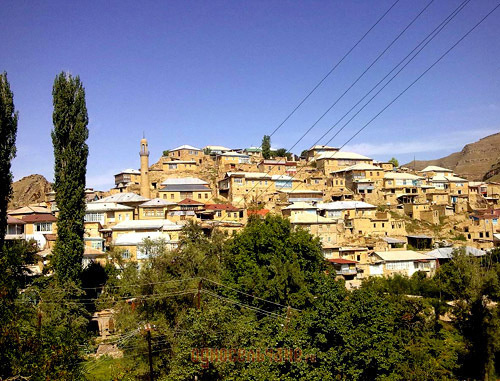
{"points": [[70, 152]]}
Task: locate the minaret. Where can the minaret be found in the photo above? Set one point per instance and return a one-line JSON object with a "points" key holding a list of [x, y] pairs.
{"points": [[144, 168]]}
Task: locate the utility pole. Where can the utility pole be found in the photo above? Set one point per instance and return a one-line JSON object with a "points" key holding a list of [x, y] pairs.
{"points": [[147, 327], [288, 312], [198, 295]]}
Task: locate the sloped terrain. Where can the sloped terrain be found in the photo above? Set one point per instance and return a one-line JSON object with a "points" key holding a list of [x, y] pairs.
{"points": [[473, 162], [29, 190]]}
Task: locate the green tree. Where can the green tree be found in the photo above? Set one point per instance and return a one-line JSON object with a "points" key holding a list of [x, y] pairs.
{"points": [[266, 147], [70, 152], [272, 259], [207, 151], [394, 162], [8, 132], [281, 152], [166, 152], [473, 287]]}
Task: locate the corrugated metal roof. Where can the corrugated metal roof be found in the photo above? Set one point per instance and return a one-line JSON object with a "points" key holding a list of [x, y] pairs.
{"points": [[345, 205], [342, 155], [185, 188], [122, 197], [359, 167], [156, 202], [402, 255], [434, 168], [447, 252], [186, 146], [105, 207]]}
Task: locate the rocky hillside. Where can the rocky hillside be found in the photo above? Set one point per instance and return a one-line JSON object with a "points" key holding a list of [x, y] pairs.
{"points": [[29, 190], [473, 162], [494, 173]]}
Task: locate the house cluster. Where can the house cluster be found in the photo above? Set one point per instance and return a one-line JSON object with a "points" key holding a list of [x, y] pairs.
{"points": [[367, 214]]}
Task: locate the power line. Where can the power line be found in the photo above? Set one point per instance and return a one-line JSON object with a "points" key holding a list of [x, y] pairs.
{"points": [[424, 73], [362, 74], [422, 45], [252, 296], [333, 69], [432, 35], [242, 304], [350, 87]]}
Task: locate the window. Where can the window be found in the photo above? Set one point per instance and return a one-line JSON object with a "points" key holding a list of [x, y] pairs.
{"points": [[172, 196], [206, 195], [172, 166], [219, 213], [199, 195], [96, 245], [126, 254], [43, 227], [94, 217], [397, 266]]}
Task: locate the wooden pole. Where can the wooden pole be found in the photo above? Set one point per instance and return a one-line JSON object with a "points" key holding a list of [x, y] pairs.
{"points": [[150, 355]]}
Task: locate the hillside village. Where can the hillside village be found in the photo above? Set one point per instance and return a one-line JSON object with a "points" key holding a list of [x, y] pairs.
{"points": [[372, 218]]}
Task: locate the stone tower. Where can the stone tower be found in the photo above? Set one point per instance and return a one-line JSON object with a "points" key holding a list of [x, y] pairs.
{"points": [[144, 168]]}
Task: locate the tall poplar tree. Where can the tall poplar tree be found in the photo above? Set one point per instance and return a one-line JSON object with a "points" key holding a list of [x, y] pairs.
{"points": [[70, 152], [8, 132], [266, 147]]}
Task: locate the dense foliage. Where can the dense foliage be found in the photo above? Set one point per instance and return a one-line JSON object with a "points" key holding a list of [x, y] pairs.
{"points": [[8, 133], [261, 291], [70, 152]]}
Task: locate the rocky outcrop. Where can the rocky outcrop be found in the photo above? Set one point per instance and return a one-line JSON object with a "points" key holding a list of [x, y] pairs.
{"points": [[29, 190]]}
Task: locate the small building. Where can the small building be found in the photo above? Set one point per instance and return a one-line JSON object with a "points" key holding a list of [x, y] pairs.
{"points": [[278, 167], [232, 159], [329, 162], [155, 209], [344, 267], [15, 229], [177, 189], [127, 177], [419, 242], [317, 150], [179, 166], [187, 153], [404, 262]]}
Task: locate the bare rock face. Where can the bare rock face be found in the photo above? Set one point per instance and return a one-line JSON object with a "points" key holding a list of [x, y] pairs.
{"points": [[474, 162], [29, 190], [494, 173]]}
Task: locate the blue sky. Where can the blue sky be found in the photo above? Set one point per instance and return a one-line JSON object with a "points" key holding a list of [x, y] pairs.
{"points": [[228, 72]]}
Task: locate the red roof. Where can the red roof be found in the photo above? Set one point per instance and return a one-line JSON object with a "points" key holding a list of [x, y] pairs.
{"points": [[13, 221], [227, 207], [188, 201], [43, 217], [342, 261], [260, 212]]}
